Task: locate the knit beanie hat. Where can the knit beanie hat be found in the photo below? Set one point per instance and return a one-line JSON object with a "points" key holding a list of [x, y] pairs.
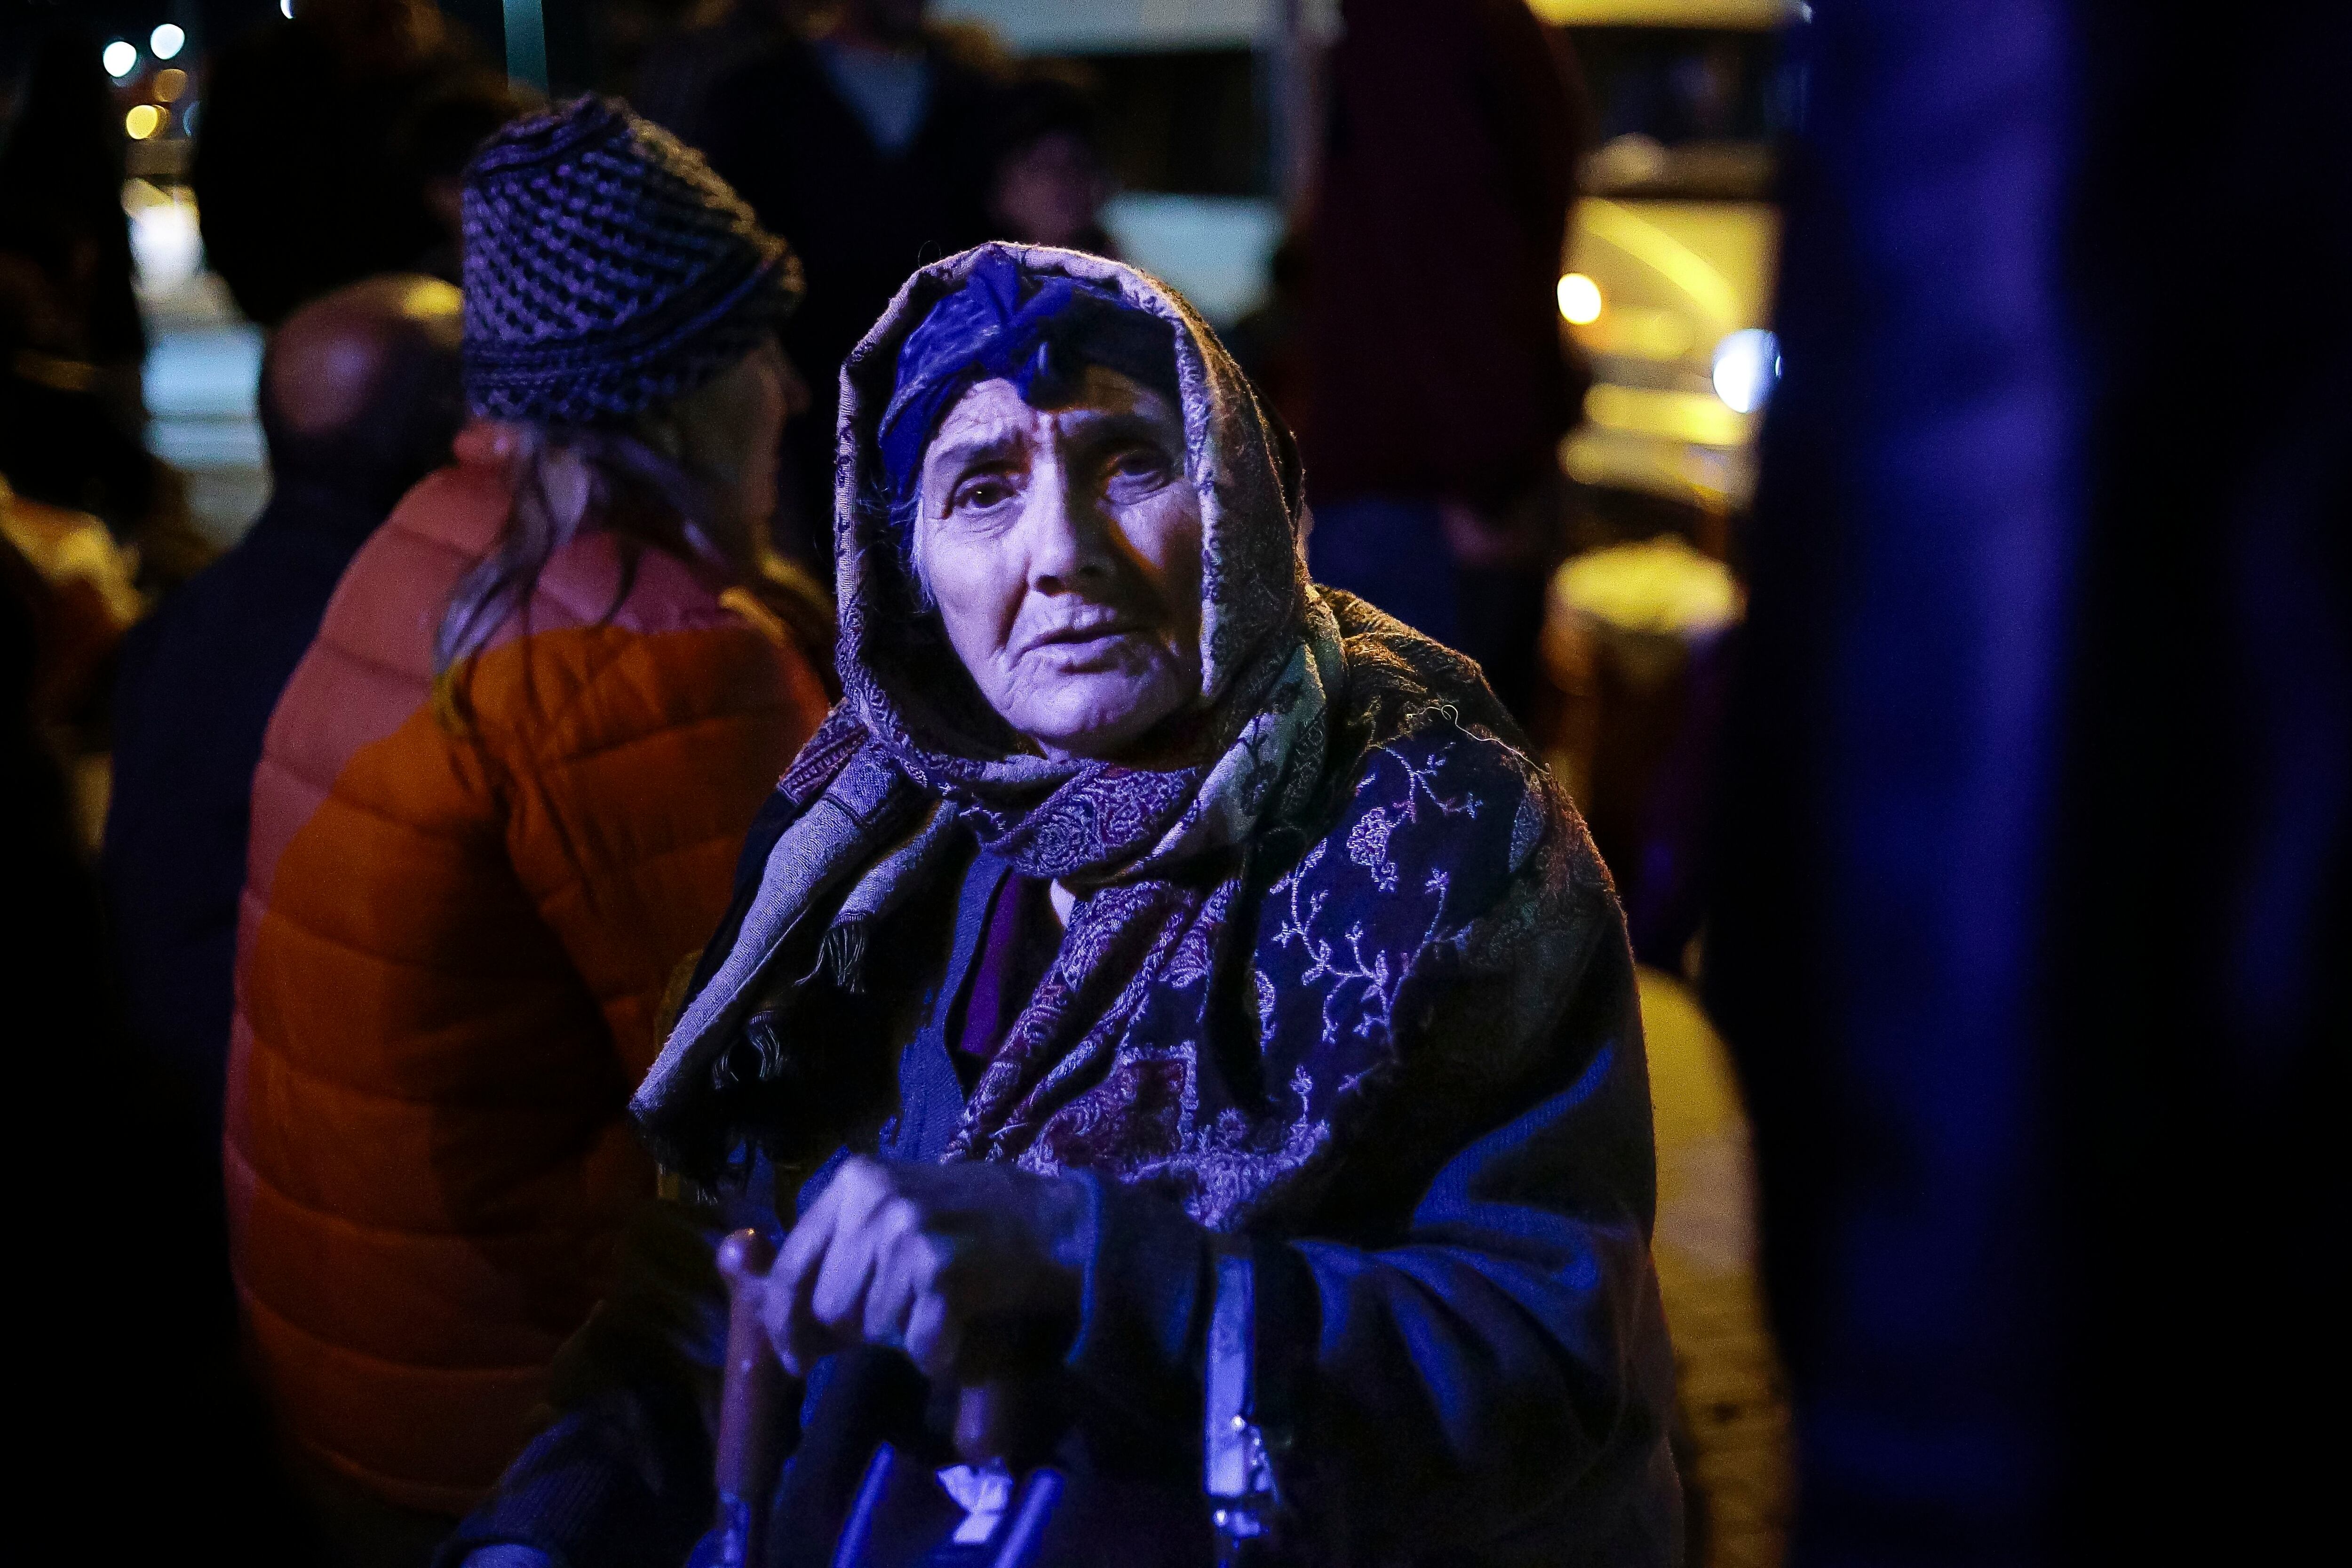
{"points": [[607, 270]]}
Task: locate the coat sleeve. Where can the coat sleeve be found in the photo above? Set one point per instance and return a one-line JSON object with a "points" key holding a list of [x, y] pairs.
{"points": [[1497, 1377], [629, 815]]}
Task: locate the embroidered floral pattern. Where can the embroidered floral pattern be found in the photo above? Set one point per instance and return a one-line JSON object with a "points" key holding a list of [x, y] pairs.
{"points": [[1339, 936], [1360, 839]]}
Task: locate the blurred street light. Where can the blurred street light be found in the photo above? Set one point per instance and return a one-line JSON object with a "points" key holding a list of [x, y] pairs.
{"points": [[169, 84], [166, 41], [1579, 299], [142, 120], [120, 58], [1747, 364], [165, 243]]}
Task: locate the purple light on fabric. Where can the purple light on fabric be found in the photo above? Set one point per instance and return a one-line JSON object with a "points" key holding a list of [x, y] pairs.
{"points": [[1027, 329], [1016, 948]]}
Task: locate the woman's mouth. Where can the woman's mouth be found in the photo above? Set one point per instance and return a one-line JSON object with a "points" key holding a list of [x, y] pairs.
{"points": [[1093, 629], [1083, 644]]}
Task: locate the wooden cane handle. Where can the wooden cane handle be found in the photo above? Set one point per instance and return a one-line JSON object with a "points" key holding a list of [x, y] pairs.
{"points": [[755, 1385]]}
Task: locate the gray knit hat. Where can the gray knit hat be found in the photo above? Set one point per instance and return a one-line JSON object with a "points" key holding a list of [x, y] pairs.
{"points": [[607, 270]]}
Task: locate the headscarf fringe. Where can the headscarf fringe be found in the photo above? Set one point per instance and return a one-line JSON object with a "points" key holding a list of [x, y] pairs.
{"points": [[843, 955]]}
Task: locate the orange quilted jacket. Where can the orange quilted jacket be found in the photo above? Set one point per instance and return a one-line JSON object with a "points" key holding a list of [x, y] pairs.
{"points": [[453, 943]]}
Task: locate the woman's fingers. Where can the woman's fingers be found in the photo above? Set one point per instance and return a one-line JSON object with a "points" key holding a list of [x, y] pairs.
{"points": [[831, 1225], [837, 1299], [801, 1340], [888, 1303], [903, 1256], [912, 1261], [934, 1335]]}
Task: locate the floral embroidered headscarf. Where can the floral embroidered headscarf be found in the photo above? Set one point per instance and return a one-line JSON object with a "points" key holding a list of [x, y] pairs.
{"points": [[1109, 1067]]}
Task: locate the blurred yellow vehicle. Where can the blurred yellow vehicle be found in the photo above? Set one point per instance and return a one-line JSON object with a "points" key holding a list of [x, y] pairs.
{"points": [[1667, 282]]}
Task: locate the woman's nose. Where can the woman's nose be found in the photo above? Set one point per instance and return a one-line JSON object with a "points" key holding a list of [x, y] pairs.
{"points": [[1068, 541]]}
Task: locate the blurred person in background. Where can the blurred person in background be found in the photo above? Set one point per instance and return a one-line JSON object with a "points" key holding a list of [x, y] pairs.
{"points": [[299, 180], [1439, 384], [73, 416], [1270, 341], [359, 401], [868, 146], [498, 802], [623, 35], [142, 1194], [670, 78], [432, 144], [2035, 900], [1049, 180]]}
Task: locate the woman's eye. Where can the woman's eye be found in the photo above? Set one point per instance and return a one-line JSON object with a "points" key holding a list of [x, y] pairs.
{"points": [[1139, 465], [981, 494]]}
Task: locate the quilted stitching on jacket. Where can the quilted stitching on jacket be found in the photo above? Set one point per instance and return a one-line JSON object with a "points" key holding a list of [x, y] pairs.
{"points": [[450, 954]]}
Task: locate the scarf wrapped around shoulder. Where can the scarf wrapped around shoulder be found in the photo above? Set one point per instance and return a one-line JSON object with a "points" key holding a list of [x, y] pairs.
{"points": [[1299, 687]]}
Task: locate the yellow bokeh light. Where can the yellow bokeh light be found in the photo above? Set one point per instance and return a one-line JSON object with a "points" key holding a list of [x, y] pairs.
{"points": [[142, 120], [1579, 299], [171, 83]]}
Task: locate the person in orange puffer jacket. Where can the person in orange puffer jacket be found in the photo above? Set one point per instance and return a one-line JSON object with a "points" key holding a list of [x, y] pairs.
{"points": [[498, 802]]}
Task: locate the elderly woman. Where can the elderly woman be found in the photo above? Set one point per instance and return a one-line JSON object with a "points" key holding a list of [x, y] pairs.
{"points": [[1190, 996]]}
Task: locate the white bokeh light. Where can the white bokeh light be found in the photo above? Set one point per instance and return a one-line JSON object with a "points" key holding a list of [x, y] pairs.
{"points": [[166, 41], [166, 245], [1579, 299], [1747, 364], [120, 58]]}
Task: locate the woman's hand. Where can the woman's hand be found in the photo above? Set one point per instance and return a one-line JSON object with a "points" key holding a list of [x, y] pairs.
{"points": [[961, 1266]]}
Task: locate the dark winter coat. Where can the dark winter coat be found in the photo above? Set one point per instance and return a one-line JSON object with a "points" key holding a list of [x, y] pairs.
{"points": [[198, 681]]}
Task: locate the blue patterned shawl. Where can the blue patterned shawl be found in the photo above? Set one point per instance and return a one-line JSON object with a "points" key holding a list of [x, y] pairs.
{"points": [[1364, 840]]}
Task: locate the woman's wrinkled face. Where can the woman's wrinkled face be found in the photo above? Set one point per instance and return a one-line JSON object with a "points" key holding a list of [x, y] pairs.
{"points": [[1062, 547]]}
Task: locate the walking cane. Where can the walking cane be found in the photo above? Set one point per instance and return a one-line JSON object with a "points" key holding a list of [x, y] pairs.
{"points": [[997, 1420], [749, 1403]]}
